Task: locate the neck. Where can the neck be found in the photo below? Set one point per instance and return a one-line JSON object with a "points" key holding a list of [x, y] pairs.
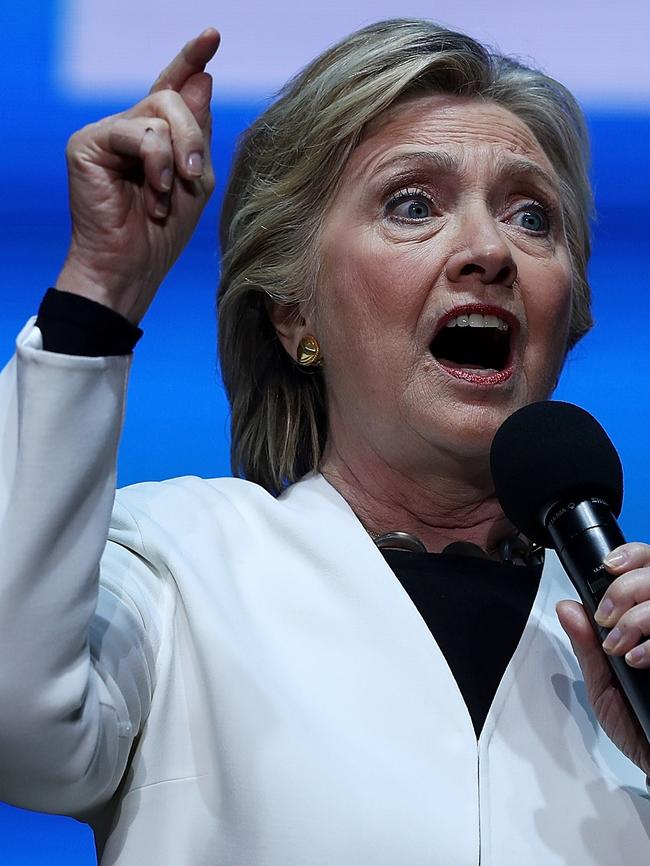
{"points": [[438, 508]]}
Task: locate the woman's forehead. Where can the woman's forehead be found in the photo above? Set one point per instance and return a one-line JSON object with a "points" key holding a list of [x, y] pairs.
{"points": [[445, 124]]}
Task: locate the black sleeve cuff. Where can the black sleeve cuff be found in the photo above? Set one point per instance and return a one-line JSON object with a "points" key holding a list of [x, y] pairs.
{"points": [[73, 325]]}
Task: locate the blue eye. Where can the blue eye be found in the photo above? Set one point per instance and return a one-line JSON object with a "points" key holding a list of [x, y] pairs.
{"points": [[411, 205], [533, 218], [417, 210]]}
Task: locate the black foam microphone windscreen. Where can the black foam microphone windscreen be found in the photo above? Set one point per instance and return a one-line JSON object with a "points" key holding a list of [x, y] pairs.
{"points": [[548, 452]]}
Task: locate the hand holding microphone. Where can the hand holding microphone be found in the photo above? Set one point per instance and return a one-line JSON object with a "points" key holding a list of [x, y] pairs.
{"points": [[559, 480]]}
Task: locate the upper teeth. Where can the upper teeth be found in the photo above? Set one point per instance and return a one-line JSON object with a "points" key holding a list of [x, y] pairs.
{"points": [[477, 320]]}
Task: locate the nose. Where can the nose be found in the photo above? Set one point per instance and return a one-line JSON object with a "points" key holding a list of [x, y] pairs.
{"points": [[482, 253]]}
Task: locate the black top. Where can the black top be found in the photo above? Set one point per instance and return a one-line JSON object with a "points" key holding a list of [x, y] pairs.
{"points": [[476, 609]]}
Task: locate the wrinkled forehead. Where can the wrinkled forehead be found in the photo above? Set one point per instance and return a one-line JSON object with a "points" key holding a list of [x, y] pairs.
{"points": [[448, 125]]}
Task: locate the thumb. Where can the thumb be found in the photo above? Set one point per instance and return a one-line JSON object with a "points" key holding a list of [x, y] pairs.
{"points": [[197, 93], [586, 645]]}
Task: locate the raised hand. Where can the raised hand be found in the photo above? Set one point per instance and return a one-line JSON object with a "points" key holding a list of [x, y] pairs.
{"points": [[139, 181], [625, 609]]}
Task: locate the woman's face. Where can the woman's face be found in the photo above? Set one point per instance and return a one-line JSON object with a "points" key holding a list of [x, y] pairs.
{"points": [[445, 291]]}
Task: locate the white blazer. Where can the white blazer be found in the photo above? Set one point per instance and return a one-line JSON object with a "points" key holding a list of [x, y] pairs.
{"points": [[246, 683]]}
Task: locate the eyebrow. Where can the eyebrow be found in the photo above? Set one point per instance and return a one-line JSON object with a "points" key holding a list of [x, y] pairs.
{"points": [[521, 167], [433, 159], [506, 169]]}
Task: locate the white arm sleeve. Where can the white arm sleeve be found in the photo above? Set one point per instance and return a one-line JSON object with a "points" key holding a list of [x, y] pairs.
{"points": [[77, 669]]}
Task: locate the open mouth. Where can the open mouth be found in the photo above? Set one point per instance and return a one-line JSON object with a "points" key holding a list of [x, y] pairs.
{"points": [[475, 346]]}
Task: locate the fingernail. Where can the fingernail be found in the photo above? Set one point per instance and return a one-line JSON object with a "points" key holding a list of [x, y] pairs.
{"points": [[635, 655], [195, 164], [166, 178], [615, 559], [160, 211], [612, 640], [604, 611]]}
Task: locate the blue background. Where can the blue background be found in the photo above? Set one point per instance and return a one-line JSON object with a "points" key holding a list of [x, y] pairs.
{"points": [[177, 415]]}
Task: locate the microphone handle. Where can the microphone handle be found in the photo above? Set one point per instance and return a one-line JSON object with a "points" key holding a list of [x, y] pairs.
{"points": [[583, 533]]}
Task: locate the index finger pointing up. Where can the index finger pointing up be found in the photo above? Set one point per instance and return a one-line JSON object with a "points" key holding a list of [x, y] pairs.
{"points": [[191, 59]]}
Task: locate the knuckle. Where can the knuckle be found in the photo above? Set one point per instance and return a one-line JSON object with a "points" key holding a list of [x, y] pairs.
{"points": [[617, 592], [167, 101], [635, 588], [72, 148], [73, 141], [166, 97], [170, 108], [158, 125], [625, 623], [635, 618], [190, 137], [77, 140], [627, 584], [636, 554], [156, 142]]}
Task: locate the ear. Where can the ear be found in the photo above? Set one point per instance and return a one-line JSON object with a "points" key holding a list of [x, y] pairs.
{"points": [[289, 324]]}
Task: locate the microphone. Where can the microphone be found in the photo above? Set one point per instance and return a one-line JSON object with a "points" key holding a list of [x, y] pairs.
{"points": [[559, 480]]}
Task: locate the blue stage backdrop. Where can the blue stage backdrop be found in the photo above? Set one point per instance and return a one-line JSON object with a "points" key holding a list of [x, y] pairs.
{"points": [[65, 64]]}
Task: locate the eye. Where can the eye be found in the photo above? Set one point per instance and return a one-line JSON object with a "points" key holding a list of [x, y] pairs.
{"points": [[410, 205], [534, 218]]}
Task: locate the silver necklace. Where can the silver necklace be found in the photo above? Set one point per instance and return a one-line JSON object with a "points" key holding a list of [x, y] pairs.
{"points": [[514, 548]]}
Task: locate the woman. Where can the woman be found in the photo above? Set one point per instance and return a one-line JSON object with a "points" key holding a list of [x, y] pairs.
{"points": [[404, 250]]}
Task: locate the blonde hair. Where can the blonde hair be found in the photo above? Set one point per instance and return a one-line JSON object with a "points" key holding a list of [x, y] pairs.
{"points": [[287, 166]]}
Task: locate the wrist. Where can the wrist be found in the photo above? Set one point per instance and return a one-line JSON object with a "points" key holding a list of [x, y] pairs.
{"points": [[78, 279]]}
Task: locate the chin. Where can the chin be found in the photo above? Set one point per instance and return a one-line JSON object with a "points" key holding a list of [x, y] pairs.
{"points": [[467, 428]]}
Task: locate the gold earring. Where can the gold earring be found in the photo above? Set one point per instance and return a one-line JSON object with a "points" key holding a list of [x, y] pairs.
{"points": [[308, 354]]}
